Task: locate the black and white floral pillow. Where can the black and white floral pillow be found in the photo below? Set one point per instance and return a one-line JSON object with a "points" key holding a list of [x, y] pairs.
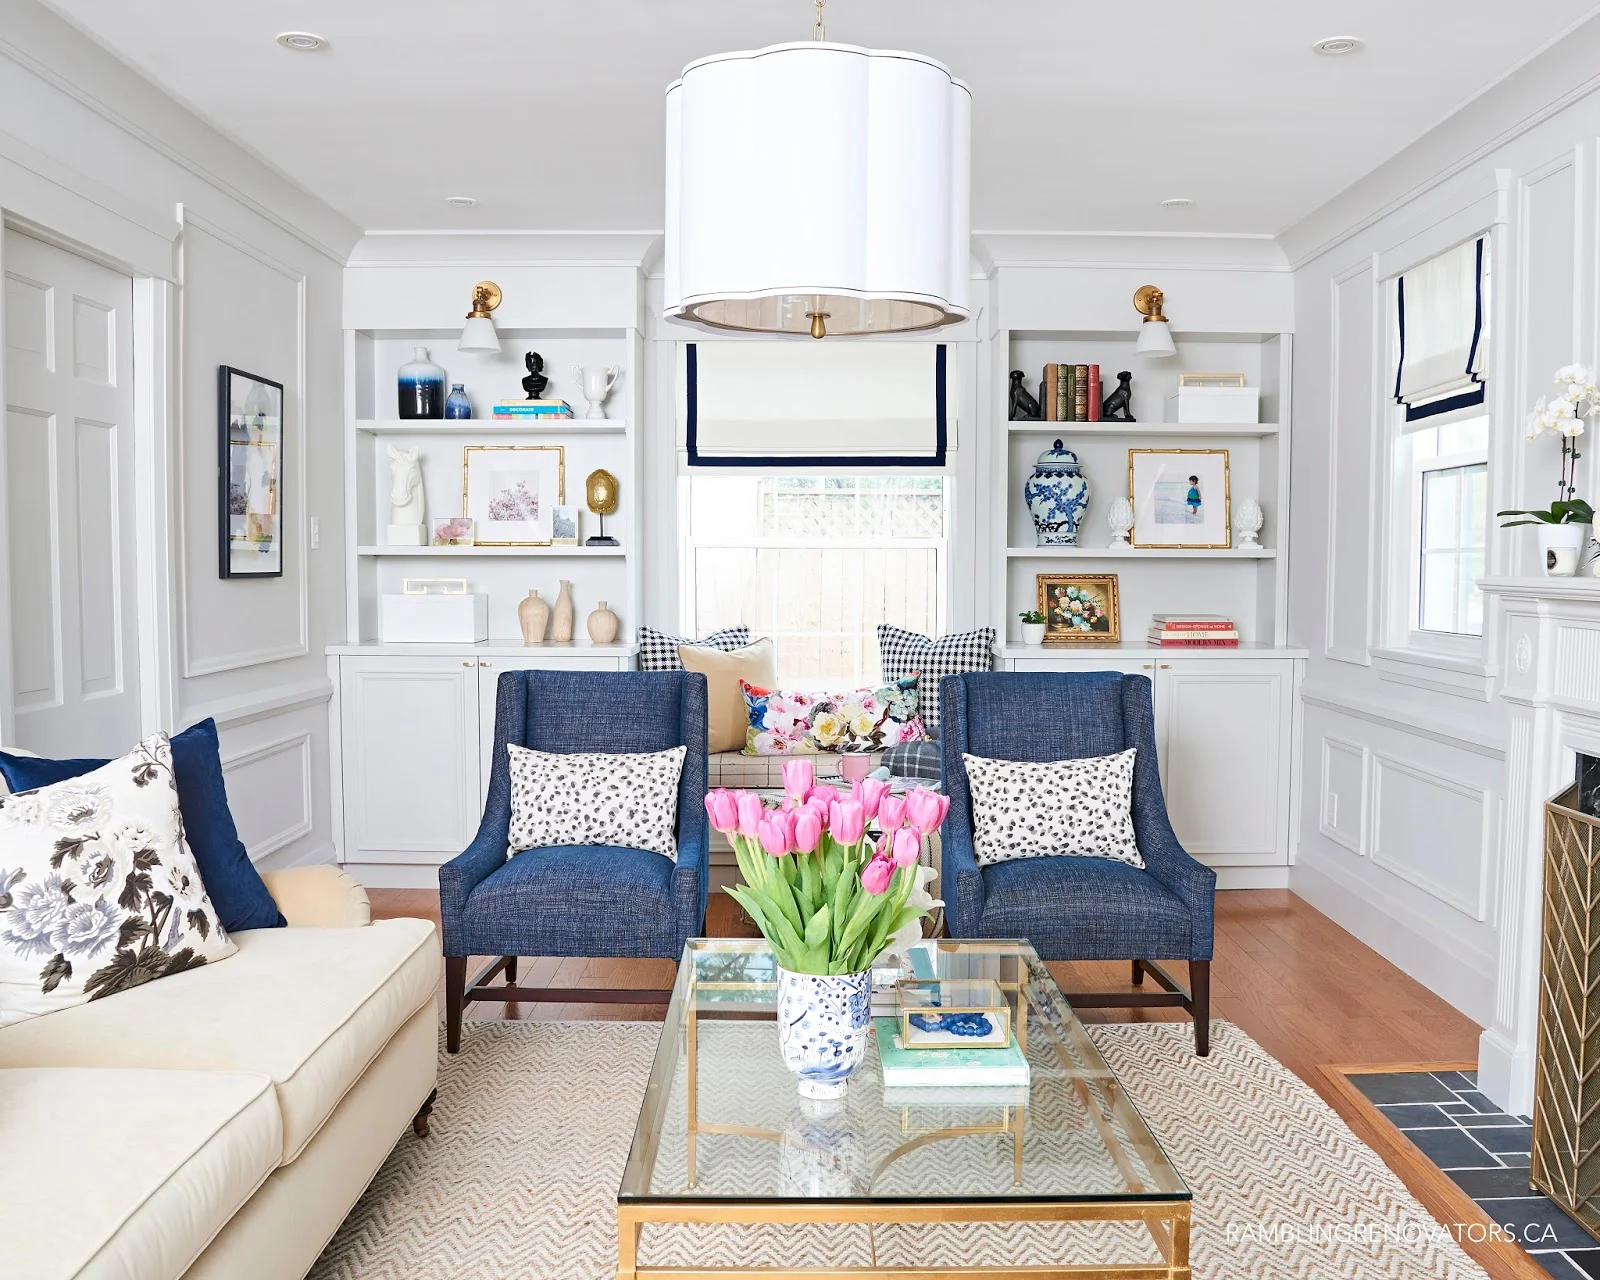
{"points": [[595, 798], [1062, 808], [99, 891]]}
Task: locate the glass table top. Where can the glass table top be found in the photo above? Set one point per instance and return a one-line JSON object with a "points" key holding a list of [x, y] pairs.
{"points": [[722, 1119]]}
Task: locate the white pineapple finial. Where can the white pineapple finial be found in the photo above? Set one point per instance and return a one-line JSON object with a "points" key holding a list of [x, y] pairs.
{"points": [[1247, 523]]}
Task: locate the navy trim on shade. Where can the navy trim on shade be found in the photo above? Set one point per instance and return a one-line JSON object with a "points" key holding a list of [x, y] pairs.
{"points": [[1433, 408], [696, 459], [1415, 413]]}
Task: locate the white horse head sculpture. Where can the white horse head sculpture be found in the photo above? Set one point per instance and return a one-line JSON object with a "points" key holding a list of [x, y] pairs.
{"points": [[406, 497]]}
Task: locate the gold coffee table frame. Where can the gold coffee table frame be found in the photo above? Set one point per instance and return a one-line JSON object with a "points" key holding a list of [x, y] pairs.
{"points": [[1155, 1195]]}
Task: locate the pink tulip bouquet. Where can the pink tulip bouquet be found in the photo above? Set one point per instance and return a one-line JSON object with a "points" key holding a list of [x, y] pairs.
{"points": [[827, 877]]}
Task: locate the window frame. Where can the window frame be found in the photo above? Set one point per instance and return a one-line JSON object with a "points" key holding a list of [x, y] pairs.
{"points": [[1459, 644]]}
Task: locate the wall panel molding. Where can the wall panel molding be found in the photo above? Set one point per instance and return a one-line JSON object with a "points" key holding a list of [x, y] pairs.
{"points": [[255, 782], [1446, 830], [1352, 835], [1356, 340], [258, 704]]}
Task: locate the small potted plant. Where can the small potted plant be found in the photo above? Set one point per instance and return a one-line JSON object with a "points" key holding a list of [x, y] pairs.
{"points": [[1564, 525], [1032, 626]]}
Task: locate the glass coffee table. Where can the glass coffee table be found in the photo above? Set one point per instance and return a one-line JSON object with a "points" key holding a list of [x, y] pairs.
{"points": [[724, 1137]]}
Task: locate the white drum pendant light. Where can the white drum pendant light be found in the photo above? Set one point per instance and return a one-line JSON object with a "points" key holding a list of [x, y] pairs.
{"points": [[818, 188]]}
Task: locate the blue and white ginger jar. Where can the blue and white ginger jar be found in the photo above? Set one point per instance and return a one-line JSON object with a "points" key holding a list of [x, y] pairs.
{"points": [[1057, 495], [823, 1024]]}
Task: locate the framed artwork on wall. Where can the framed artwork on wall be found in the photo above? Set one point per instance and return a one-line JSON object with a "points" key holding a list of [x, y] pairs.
{"points": [[1180, 498], [511, 492], [250, 474], [1079, 608]]}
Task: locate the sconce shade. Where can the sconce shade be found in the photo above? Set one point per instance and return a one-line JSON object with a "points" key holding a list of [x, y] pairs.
{"points": [[478, 335], [1155, 339]]}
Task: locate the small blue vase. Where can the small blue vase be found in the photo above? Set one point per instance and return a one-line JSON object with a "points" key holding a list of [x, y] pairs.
{"points": [[456, 404], [1057, 495], [421, 387]]}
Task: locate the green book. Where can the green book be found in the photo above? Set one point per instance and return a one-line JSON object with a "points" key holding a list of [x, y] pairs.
{"points": [[919, 1068]]}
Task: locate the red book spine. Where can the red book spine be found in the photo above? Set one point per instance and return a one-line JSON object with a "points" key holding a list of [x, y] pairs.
{"points": [[1196, 626], [1094, 393]]}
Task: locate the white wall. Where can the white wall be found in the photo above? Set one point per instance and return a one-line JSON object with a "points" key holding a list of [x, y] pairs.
{"points": [[232, 265], [1401, 836]]}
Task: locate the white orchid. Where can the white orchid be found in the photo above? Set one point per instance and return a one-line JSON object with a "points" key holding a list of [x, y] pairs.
{"points": [[1577, 398]]}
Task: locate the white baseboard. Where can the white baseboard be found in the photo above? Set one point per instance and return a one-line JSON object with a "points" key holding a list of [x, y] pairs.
{"points": [[283, 859], [1252, 877], [394, 875]]}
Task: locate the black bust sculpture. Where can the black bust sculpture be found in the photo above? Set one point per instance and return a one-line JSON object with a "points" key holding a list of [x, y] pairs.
{"points": [[535, 383], [1024, 408], [1114, 408]]}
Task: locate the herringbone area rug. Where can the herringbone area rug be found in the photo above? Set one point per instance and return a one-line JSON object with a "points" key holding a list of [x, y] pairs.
{"points": [[534, 1120]]}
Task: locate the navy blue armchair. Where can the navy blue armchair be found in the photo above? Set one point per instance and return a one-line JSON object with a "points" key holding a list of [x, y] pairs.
{"points": [[578, 900], [1077, 908]]}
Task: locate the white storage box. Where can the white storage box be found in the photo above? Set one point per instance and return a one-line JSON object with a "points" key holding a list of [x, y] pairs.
{"points": [[1215, 404], [433, 619]]}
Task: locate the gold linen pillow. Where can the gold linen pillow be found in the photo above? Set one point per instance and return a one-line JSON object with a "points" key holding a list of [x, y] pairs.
{"points": [[727, 714]]}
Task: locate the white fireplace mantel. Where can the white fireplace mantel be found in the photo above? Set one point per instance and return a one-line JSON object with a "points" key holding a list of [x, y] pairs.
{"points": [[1549, 685]]}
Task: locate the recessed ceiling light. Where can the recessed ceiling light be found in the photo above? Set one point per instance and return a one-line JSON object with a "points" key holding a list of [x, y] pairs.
{"points": [[1178, 202], [301, 41], [461, 202], [1334, 46]]}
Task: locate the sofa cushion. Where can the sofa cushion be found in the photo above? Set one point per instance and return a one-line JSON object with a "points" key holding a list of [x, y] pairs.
{"points": [[1084, 909], [904, 652], [119, 1174], [726, 670], [309, 1008]]}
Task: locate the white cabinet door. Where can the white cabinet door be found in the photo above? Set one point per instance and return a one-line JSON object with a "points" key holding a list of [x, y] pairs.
{"points": [[1223, 733], [411, 758], [489, 670]]}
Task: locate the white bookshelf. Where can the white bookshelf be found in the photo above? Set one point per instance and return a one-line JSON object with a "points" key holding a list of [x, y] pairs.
{"points": [[487, 426], [1141, 553]]}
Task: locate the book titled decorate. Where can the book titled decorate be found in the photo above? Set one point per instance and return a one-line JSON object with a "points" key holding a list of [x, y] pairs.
{"points": [[920, 1068]]}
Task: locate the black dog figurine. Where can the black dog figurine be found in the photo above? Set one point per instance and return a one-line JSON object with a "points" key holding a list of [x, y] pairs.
{"points": [[536, 381], [1114, 408], [1024, 408]]}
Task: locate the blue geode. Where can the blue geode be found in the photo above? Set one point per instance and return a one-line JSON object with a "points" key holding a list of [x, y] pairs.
{"points": [[975, 1025]]}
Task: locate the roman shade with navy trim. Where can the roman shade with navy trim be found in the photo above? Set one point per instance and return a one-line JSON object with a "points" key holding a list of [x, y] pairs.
{"points": [[833, 404], [1443, 327]]}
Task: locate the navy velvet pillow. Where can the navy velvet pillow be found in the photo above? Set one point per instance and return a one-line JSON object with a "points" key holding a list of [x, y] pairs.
{"points": [[236, 888]]}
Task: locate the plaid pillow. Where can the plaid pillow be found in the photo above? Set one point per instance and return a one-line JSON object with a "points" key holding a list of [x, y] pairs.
{"points": [[904, 652], [659, 652]]}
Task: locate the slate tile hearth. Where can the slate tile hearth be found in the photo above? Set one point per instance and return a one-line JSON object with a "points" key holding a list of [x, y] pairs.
{"points": [[1486, 1153]]}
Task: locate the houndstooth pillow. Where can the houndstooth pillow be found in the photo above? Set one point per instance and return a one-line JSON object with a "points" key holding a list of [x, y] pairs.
{"points": [[904, 652], [593, 797], [1063, 808], [659, 652]]}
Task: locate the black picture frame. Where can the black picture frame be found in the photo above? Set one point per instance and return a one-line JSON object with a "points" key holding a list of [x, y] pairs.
{"points": [[251, 524]]}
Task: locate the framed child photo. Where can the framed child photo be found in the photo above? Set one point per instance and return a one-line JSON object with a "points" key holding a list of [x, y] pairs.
{"points": [[1180, 498], [250, 474], [1079, 608]]}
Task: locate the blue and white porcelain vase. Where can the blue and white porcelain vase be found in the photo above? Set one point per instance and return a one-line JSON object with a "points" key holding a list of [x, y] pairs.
{"points": [[823, 1024], [1057, 495], [421, 387], [456, 404]]}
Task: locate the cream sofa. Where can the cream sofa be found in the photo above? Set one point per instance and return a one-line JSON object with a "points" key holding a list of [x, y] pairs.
{"points": [[220, 1122]]}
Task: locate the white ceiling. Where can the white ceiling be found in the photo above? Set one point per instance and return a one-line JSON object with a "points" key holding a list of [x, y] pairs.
{"points": [[1085, 115]]}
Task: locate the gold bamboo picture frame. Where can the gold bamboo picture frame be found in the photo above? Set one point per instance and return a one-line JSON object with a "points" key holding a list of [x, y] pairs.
{"points": [[1181, 499], [517, 488]]}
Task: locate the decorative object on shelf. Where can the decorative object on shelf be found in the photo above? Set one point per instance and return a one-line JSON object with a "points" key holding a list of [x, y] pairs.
{"points": [[1155, 334], [751, 243], [1247, 524], [600, 492], [952, 1013], [1118, 406], [825, 969], [456, 405], [453, 531], [1214, 397], [421, 385], [528, 411], [597, 381], [1024, 408], [408, 506], [478, 334], [1193, 631], [536, 381], [1033, 621], [250, 471], [1564, 525], [1079, 608], [533, 616], [1119, 518], [511, 490], [1057, 494], [433, 611], [1180, 498], [1070, 392], [564, 526], [603, 625], [562, 615]]}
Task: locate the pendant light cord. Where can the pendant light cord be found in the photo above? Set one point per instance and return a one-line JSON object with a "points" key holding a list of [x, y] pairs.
{"points": [[818, 31]]}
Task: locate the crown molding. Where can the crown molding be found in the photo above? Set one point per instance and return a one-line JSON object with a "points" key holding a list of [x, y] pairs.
{"points": [[505, 248]]}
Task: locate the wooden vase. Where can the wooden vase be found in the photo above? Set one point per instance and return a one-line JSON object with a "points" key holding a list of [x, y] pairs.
{"points": [[562, 634], [604, 625], [534, 616]]}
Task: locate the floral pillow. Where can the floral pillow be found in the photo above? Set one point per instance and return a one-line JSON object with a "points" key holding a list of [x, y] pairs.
{"points": [[786, 723], [98, 889]]}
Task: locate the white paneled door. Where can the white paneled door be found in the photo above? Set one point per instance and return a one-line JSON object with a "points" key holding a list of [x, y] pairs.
{"points": [[69, 501]]}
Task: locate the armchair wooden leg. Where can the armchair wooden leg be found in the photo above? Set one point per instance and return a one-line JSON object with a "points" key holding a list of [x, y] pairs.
{"points": [[1138, 973], [1200, 1008], [455, 987], [511, 971]]}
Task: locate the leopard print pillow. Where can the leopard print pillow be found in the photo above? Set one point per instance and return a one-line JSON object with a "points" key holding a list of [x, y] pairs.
{"points": [[1062, 808], [630, 801]]}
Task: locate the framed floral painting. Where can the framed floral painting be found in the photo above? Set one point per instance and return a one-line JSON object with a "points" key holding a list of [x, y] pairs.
{"points": [[1079, 608], [511, 491]]}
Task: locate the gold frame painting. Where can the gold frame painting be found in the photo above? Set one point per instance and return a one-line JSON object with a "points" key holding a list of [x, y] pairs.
{"points": [[1062, 598], [1185, 500], [530, 512]]}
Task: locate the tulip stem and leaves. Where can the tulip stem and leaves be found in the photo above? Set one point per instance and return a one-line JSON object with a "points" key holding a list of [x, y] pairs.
{"points": [[828, 877], [1562, 415]]}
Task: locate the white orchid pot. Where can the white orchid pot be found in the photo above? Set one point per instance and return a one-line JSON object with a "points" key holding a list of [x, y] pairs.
{"points": [[823, 1024], [1562, 548]]}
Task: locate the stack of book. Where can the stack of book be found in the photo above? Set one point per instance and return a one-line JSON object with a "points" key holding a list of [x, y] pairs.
{"points": [[1193, 631], [961, 1075], [1070, 393], [507, 410]]}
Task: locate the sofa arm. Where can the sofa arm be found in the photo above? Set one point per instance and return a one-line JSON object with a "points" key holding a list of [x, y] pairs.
{"points": [[322, 897], [960, 881]]}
